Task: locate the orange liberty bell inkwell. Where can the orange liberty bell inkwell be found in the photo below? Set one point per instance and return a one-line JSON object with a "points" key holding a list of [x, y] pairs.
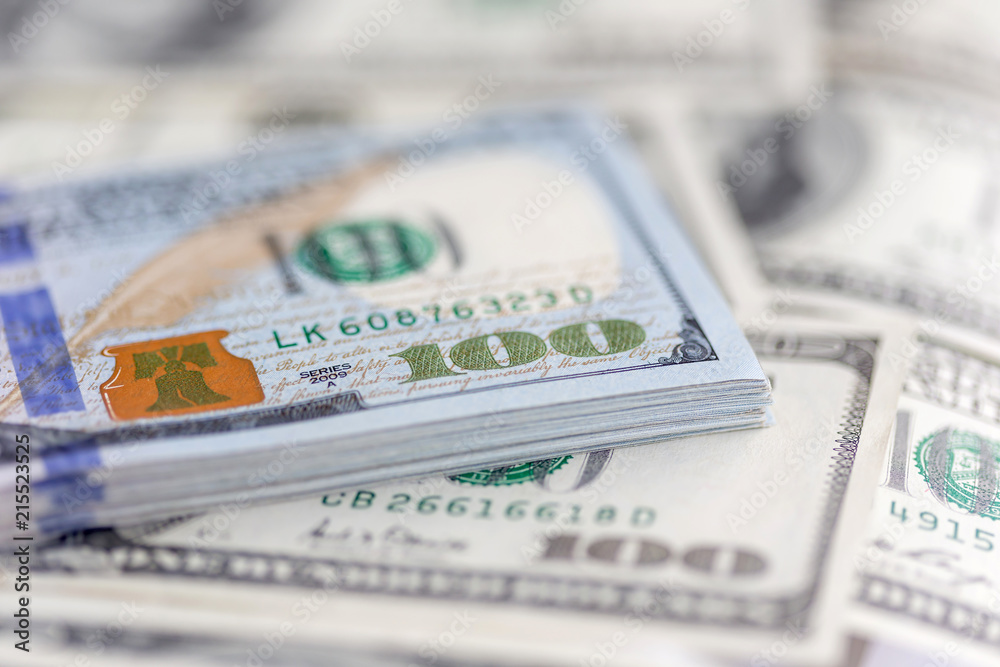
{"points": [[177, 376]]}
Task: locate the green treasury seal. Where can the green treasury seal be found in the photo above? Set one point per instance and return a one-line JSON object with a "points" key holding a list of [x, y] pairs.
{"points": [[962, 470], [515, 474]]}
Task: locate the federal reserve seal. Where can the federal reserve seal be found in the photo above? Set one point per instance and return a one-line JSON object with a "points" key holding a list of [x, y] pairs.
{"points": [[515, 474], [962, 470]]}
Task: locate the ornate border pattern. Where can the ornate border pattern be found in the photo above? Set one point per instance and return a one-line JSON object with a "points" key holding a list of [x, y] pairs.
{"points": [[578, 594]]}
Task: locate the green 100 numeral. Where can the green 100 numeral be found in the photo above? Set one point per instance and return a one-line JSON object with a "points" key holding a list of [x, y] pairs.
{"points": [[474, 354]]}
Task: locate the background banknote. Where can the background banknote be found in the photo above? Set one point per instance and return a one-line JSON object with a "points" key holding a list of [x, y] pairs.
{"points": [[881, 196], [831, 160], [747, 535]]}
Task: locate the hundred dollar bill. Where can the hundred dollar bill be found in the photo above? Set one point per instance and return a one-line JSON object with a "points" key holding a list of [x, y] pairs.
{"points": [[571, 559], [859, 194], [714, 41], [927, 575], [431, 302], [885, 197], [108, 643]]}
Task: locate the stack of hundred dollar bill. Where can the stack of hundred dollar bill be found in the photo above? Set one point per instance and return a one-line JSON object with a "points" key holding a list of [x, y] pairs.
{"points": [[839, 176], [352, 308]]}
